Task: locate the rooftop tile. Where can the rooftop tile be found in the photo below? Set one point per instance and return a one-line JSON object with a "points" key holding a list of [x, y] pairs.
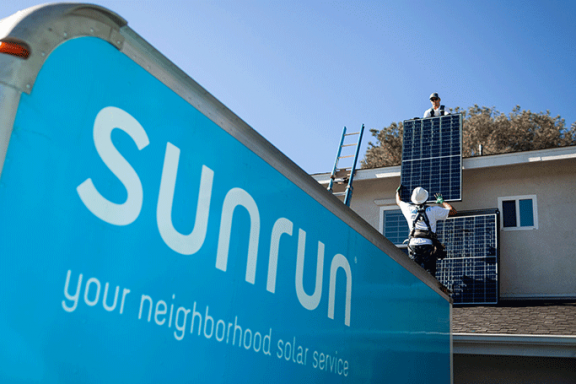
{"points": [[529, 318]]}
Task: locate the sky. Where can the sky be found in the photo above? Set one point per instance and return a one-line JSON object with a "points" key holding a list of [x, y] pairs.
{"points": [[298, 71]]}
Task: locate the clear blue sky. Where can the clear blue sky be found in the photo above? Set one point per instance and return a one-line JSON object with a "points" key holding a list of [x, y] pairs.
{"points": [[298, 71]]}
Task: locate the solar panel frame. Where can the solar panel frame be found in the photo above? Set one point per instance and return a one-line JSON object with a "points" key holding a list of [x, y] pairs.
{"points": [[472, 268], [432, 157]]}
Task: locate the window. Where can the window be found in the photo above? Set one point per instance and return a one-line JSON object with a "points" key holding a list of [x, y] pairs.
{"points": [[393, 225], [518, 212]]}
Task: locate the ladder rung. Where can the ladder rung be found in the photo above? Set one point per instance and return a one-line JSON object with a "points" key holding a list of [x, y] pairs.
{"points": [[349, 145], [343, 157], [339, 193], [344, 169], [350, 134]]}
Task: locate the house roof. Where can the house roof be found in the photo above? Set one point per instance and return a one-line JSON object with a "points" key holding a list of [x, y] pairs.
{"points": [[519, 318], [476, 162], [519, 329]]}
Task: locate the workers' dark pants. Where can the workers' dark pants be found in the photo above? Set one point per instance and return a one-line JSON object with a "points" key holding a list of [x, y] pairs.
{"points": [[422, 254]]}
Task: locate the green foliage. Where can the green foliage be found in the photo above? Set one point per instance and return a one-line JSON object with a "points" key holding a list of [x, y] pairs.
{"points": [[496, 132]]}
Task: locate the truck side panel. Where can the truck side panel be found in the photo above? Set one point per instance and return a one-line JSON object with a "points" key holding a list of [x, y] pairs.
{"points": [[141, 242]]}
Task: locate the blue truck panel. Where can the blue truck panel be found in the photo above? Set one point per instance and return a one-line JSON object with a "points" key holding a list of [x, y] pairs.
{"points": [[141, 242]]}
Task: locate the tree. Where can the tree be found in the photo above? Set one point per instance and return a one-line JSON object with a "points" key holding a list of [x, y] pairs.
{"points": [[494, 131], [388, 149]]}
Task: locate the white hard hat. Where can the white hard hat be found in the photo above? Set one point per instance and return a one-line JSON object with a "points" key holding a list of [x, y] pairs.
{"points": [[419, 195]]}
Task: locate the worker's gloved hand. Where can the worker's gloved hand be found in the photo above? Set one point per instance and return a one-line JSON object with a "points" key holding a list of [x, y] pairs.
{"points": [[439, 198], [399, 189]]}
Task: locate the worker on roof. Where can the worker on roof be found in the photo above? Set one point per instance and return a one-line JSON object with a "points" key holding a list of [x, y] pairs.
{"points": [[424, 247], [437, 109]]}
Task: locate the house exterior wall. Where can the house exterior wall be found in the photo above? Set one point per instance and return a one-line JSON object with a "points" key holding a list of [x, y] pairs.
{"points": [[534, 263], [478, 369]]}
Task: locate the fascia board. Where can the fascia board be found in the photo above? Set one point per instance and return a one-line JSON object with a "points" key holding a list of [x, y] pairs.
{"points": [[514, 345]]}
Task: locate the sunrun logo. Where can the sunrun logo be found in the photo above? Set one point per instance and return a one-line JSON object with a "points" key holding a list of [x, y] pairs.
{"points": [[111, 118]]}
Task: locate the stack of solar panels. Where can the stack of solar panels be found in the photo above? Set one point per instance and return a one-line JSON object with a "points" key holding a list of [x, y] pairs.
{"points": [[470, 270], [432, 157]]}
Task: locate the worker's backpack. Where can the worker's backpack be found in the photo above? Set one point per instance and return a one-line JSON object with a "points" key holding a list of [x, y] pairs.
{"points": [[439, 251]]}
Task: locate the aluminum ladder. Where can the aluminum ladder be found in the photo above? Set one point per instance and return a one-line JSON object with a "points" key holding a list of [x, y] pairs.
{"points": [[345, 174]]}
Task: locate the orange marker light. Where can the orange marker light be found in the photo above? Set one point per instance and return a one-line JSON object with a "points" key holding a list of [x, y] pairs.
{"points": [[14, 49]]}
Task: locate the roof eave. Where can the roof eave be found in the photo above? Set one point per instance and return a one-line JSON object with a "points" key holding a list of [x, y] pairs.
{"points": [[476, 162], [514, 345]]}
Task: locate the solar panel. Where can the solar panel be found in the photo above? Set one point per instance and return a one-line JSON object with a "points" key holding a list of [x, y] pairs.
{"points": [[470, 270], [432, 157]]}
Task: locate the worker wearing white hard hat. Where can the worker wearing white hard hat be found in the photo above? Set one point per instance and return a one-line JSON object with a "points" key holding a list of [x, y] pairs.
{"points": [[419, 195], [422, 219]]}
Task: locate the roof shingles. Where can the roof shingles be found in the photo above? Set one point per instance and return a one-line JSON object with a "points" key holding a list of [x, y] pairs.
{"points": [[517, 318]]}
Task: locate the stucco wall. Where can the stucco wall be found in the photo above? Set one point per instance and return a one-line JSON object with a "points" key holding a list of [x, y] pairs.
{"points": [[533, 263], [481, 369]]}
